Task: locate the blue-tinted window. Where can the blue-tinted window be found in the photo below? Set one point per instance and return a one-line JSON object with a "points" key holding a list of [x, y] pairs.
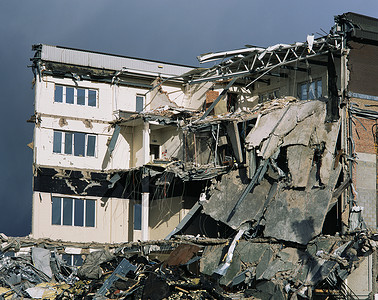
{"points": [[76, 212], [57, 144], [68, 143], [79, 212], [77, 260], [67, 258], [70, 95], [67, 211], [312, 91], [81, 96], [304, 91], [319, 89], [137, 216], [56, 211], [76, 143], [139, 103], [91, 145], [79, 144], [58, 95], [75, 95], [90, 213], [92, 98]]}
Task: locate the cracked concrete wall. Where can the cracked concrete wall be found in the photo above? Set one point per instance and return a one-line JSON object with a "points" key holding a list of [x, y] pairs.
{"points": [[111, 221]]}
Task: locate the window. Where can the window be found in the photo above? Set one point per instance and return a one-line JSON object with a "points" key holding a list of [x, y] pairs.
{"points": [[75, 95], [137, 216], [310, 90], [73, 259], [154, 152], [74, 143], [73, 212], [139, 103]]}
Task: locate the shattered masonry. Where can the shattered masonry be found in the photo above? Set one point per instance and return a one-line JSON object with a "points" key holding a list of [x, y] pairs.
{"points": [[254, 178]]}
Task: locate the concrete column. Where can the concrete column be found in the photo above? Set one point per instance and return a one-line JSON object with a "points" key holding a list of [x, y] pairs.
{"points": [[145, 215], [146, 142]]}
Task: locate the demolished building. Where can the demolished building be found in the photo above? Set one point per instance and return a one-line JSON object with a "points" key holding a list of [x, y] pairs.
{"points": [[272, 148]]}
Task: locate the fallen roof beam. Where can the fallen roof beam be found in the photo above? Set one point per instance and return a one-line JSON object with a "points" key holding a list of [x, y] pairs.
{"points": [[262, 60], [267, 68]]}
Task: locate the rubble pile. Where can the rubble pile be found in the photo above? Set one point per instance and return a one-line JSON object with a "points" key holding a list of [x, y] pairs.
{"points": [[183, 268]]}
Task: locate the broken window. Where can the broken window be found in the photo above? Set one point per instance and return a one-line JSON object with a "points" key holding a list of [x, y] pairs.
{"points": [[310, 90], [73, 259], [154, 152], [139, 103], [74, 143], [74, 95], [73, 212]]}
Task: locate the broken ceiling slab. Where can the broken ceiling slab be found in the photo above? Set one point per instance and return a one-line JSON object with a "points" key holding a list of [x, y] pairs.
{"points": [[263, 128], [228, 191], [298, 215], [285, 126], [328, 134], [299, 159], [246, 255]]}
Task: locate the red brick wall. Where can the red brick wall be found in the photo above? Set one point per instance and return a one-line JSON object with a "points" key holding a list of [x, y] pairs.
{"points": [[364, 140], [211, 96]]}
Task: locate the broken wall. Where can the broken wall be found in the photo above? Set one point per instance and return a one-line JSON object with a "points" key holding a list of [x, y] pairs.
{"points": [[170, 141], [195, 95], [123, 151], [138, 153], [111, 221], [363, 68], [164, 215], [290, 191], [124, 97]]}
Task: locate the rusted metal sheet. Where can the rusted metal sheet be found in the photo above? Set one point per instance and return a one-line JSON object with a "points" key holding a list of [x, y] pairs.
{"points": [[181, 255]]}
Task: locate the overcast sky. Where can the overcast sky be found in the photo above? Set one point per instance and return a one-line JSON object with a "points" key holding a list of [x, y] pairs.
{"points": [[167, 30]]}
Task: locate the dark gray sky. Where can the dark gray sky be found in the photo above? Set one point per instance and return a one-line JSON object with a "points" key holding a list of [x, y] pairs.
{"points": [[167, 30]]}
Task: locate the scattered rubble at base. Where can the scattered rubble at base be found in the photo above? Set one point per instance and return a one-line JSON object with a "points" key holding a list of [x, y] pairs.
{"points": [[184, 267], [280, 224]]}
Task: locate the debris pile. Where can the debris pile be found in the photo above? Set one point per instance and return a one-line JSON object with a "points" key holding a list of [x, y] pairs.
{"points": [[183, 268]]}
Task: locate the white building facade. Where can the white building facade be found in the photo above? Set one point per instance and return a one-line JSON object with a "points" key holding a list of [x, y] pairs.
{"points": [[78, 94]]}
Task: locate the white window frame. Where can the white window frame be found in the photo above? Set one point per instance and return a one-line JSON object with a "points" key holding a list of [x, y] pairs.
{"points": [[71, 257], [86, 91], [63, 143], [73, 211]]}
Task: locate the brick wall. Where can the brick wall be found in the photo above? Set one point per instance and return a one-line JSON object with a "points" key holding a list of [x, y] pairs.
{"points": [[363, 139], [365, 176]]}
